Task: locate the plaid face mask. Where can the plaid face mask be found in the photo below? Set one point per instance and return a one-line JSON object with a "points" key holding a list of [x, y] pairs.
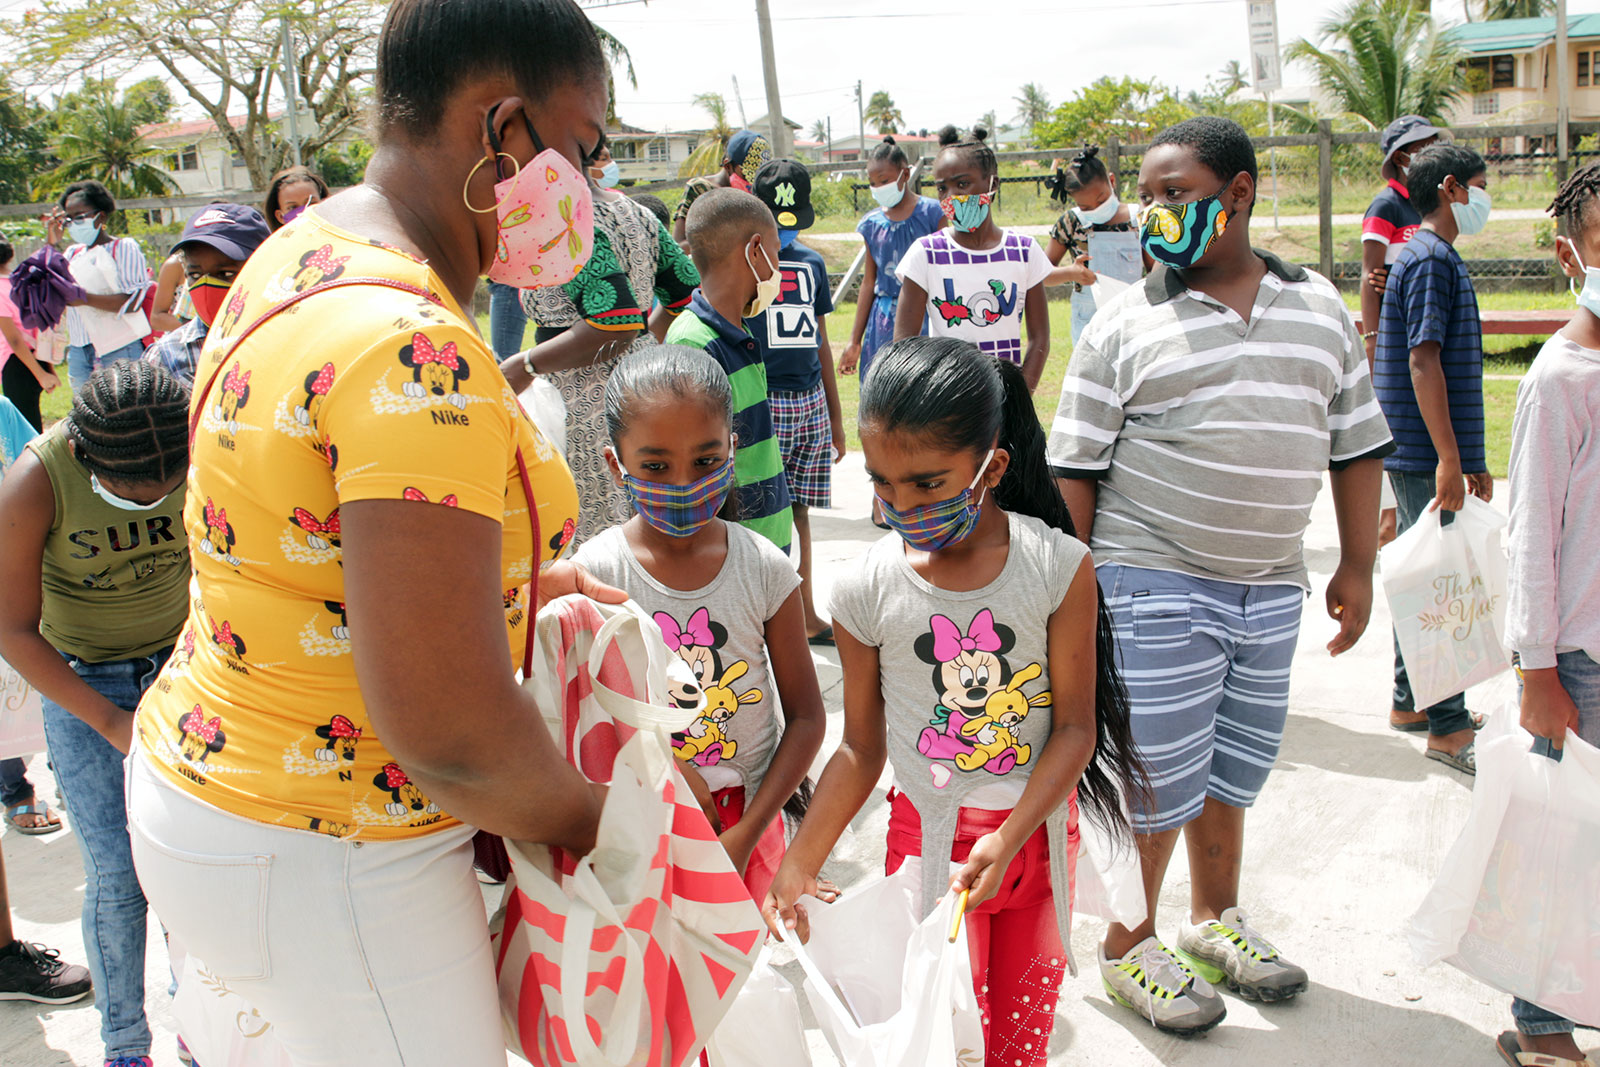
{"points": [[680, 510], [935, 526]]}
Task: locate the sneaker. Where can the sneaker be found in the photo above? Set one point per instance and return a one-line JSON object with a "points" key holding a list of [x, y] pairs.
{"points": [[131, 1061], [1229, 950], [185, 1057], [36, 973], [1154, 983]]}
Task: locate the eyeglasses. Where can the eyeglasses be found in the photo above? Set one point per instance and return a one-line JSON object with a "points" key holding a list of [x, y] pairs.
{"points": [[88, 217]]}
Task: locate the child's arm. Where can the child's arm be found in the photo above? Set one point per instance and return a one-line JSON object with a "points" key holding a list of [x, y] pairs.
{"points": [[910, 311], [847, 782], [858, 329], [21, 349], [1355, 506], [830, 388], [1037, 318], [1080, 495], [796, 679], [1064, 757]]}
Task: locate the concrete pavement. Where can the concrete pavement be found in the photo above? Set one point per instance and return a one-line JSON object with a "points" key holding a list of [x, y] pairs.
{"points": [[1342, 846]]}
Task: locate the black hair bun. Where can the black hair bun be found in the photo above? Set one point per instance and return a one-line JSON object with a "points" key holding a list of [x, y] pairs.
{"points": [[887, 139], [949, 135], [979, 133], [1087, 154]]}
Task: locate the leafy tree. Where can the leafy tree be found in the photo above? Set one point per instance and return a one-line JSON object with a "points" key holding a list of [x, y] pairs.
{"points": [[24, 140], [617, 54], [991, 122], [712, 149], [1381, 59], [882, 115], [344, 166], [1127, 108], [1033, 106], [101, 141], [150, 99], [1491, 10], [819, 131], [224, 57]]}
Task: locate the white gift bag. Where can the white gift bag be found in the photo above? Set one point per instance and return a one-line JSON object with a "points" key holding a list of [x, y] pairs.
{"points": [[763, 1027], [1515, 902], [887, 990], [1447, 594], [21, 715], [221, 1028], [548, 409]]}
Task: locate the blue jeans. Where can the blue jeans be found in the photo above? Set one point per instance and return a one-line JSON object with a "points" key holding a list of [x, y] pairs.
{"points": [[14, 785], [90, 772], [1412, 491], [82, 360], [1580, 677], [507, 320]]}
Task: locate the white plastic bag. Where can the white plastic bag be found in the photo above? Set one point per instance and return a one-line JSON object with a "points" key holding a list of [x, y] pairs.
{"points": [[1517, 902], [763, 1028], [1447, 594], [21, 715], [548, 410], [887, 990], [221, 1028]]}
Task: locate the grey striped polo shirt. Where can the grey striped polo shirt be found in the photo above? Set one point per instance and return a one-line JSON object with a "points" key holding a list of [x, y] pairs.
{"points": [[1209, 436]]}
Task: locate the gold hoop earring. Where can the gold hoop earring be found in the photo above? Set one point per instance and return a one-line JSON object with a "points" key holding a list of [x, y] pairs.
{"points": [[473, 173]]}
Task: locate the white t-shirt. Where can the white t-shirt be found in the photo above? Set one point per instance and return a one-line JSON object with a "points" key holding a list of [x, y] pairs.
{"points": [[978, 296]]}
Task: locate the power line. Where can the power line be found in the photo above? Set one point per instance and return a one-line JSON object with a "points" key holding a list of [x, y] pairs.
{"points": [[965, 14]]}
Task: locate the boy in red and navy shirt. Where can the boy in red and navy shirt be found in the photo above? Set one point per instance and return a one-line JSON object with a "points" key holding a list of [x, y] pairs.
{"points": [[1390, 220]]}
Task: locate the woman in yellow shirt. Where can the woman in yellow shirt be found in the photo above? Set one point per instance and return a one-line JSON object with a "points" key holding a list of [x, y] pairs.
{"points": [[367, 505]]}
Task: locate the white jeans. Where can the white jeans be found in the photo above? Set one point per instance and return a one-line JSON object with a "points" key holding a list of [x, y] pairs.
{"points": [[371, 953]]}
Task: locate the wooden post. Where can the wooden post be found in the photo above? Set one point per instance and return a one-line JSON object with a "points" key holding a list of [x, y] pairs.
{"points": [[1114, 158], [1325, 196]]}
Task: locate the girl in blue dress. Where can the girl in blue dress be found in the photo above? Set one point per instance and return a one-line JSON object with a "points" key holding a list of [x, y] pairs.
{"points": [[900, 218]]}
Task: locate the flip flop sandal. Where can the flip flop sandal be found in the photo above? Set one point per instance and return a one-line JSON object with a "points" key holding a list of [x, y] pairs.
{"points": [[50, 825], [1509, 1045], [823, 636], [1465, 761]]}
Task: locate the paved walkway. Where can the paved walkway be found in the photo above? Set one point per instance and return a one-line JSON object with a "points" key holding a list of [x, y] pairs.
{"points": [[1341, 848]]}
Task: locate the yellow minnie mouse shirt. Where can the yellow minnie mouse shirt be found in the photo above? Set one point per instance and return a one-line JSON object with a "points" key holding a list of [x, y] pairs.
{"points": [[359, 393]]}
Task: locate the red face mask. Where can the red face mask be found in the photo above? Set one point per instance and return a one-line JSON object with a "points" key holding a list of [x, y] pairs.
{"points": [[208, 293]]}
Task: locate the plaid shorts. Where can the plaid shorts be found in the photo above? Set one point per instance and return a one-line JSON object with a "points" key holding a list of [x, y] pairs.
{"points": [[806, 441]]}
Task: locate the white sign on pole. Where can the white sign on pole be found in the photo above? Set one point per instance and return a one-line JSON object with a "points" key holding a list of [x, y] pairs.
{"points": [[1266, 70]]}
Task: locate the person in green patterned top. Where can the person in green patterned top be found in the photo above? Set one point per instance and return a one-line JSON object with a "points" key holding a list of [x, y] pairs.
{"points": [[583, 326]]}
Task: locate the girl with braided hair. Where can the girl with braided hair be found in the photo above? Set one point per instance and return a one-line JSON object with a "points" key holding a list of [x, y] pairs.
{"points": [[1097, 235], [96, 567]]}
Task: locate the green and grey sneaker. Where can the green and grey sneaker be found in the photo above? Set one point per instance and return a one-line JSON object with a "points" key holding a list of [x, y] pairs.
{"points": [[1228, 950], [1156, 984]]}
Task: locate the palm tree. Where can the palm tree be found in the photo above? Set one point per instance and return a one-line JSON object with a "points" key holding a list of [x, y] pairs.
{"points": [[100, 140], [709, 153], [616, 54], [882, 115], [1033, 106], [1232, 78], [1382, 59], [1492, 10], [819, 131]]}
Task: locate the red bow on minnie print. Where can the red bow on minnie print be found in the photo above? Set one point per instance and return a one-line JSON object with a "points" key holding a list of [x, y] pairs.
{"points": [[313, 525], [216, 518], [195, 723], [414, 494], [324, 260], [393, 775], [339, 726], [949, 642], [236, 382], [422, 351], [696, 633], [323, 381], [223, 635]]}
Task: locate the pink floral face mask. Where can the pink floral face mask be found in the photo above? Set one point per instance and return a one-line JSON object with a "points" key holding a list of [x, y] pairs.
{"points": [[545, 216]]}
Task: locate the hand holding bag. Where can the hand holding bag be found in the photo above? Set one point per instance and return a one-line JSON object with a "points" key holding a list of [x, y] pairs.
{"points": [[21, 715]]}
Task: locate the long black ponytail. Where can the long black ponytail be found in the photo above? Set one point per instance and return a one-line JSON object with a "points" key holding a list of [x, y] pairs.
{"points": [[949, 390]]}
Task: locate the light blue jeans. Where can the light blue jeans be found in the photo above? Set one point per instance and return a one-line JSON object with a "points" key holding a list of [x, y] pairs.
{"points": [[1580, 677], [507, 320], [83, 360], [89, 771]]}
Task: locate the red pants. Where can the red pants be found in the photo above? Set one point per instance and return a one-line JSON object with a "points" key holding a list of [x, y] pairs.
{"points": [[1017, 958], [769, 849]]}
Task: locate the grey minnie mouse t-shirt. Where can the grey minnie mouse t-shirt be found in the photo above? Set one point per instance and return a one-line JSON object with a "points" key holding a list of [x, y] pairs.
{"points": [[966, 680], [719, 630]]}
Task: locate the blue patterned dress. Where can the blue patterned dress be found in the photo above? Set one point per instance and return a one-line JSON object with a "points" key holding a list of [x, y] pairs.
{"points": [[887, 241]]}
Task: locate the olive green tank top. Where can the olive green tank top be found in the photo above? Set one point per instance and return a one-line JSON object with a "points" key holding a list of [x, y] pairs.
{"points": [[115, 582]]}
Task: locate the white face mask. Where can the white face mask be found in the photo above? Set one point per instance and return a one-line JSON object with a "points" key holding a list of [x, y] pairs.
{"points": [[891, 193], [1589, 295], [121, 502], [1101, 215], [767, 289]]}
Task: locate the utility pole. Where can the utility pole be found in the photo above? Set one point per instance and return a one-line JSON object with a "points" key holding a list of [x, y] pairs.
{"points": [[830, 138], [291, 74], [1563, 91], [738, 98], [861, 122], [769, 69]]}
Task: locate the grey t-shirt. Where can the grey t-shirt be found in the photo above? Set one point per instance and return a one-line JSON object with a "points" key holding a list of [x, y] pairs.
{"points": [[719, 630], [966, 681]]}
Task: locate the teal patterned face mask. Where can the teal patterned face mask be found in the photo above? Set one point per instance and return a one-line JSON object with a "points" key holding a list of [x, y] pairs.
{"points": [[967, 211], [1180, 234]]}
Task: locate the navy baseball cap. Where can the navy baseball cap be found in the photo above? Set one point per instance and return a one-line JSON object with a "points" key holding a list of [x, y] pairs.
{"points": [[232, 229], [785, 187], [1403, 131], [748, 151]]}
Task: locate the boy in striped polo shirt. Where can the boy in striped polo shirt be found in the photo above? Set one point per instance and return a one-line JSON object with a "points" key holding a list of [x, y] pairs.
{"points": [[734, 242], [1199, 413]]}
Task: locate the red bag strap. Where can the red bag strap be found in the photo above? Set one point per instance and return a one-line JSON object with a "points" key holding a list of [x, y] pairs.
{"points": [[337, 283], [533, 585]]}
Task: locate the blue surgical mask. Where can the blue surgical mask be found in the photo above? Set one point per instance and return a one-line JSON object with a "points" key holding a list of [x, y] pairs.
{"points": [[84, 231], [890, 194], [1589, 295], [786, 237], [1101, 215], [940, 525], [610, 175], [119, 502], [1472, 216]]}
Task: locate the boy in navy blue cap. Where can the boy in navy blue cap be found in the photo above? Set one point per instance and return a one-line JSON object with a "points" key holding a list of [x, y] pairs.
{"points": [[214, 247], [801, 389], [747, 153]]}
